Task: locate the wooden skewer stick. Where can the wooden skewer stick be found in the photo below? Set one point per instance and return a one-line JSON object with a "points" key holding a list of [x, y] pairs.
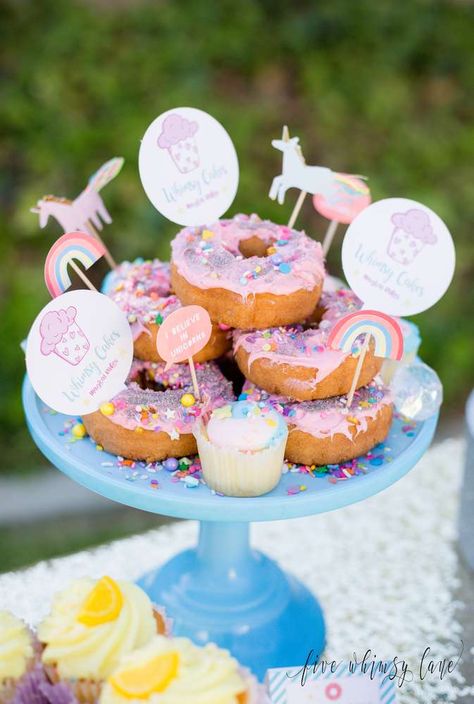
{"points": [[360, 362], [194, 378], [81, 275], [110, 260], [297, 208], [329, 236]]}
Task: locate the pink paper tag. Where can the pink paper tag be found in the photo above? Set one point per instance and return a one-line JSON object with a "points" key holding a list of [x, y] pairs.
{"points": [[183, 334], [347, 198]]}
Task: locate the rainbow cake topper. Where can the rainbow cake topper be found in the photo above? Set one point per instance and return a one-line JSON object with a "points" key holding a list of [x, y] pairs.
{"points": [[384, 330], [72, 246]]}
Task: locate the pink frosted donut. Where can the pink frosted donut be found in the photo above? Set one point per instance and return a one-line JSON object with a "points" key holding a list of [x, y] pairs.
{"points": [[248, 272], [295, 361], [325, 431], [148, 420], [142, 289]]}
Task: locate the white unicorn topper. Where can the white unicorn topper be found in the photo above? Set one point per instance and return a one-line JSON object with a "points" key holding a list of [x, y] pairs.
{"points": [[296, 173]]}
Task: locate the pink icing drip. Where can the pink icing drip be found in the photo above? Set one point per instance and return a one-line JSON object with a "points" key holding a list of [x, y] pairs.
{"points": [[217, 261], [162, 410], [300, 347], [328, 417]]}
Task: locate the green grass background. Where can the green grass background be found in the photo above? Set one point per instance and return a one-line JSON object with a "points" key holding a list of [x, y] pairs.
{"points": [[377, 87]]}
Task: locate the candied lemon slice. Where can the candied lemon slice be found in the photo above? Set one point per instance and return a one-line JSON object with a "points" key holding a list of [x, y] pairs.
{"points": [[154, 676], [103, 604]]}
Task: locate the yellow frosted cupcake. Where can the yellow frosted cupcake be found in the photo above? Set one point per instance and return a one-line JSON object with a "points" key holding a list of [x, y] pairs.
{"points": [[175, 671], [92, 625], [17, 654]]}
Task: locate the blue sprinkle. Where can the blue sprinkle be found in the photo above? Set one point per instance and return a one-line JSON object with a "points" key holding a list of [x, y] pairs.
{"points": [[376, 461], [284, 268]]}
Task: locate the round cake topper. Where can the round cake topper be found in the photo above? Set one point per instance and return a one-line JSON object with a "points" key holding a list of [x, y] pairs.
{"points": [[79, 352], [188, 166], [183, 334], [398, 256]]}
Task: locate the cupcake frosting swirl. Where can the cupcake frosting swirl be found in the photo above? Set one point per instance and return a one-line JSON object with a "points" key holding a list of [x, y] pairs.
{"points": [[16, 648], [206, 675], [82, 651]]}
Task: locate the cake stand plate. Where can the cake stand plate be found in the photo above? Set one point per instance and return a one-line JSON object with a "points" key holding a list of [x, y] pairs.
{"points": [[222, 590]]}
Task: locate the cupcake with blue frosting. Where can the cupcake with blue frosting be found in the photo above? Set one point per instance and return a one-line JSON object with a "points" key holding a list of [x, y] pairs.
{"points": [[241, 446]]}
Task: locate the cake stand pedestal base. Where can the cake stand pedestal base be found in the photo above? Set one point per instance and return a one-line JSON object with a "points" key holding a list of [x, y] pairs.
{"points": [[225, 592]]}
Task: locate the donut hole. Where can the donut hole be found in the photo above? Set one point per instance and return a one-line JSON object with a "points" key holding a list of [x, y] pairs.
{"points": [[255, 247], [146, 382]]}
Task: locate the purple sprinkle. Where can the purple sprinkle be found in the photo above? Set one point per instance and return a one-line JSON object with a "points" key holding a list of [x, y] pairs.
{"points": [[171, 464]]}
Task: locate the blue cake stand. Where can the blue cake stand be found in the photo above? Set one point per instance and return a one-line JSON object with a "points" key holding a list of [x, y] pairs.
{"points": [[222, 590]]}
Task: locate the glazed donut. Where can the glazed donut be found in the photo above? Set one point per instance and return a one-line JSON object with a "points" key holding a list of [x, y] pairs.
{"points": [[247, 272], [325, 431], [296, 362], [142, 289], [153, 417]]}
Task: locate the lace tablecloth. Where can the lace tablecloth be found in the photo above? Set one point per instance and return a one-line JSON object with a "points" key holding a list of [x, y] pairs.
{"points": [[385, 571]]}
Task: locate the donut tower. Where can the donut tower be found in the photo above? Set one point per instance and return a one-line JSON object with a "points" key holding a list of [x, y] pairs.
{"points": [[272, 307]]}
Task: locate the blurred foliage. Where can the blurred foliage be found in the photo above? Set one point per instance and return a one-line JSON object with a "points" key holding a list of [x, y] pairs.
{"points": [[22, 545], [377, 87]]}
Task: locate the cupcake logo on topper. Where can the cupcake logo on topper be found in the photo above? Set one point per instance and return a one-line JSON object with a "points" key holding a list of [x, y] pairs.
{"points": [[178, 137], [60, 334], [412, 231]]}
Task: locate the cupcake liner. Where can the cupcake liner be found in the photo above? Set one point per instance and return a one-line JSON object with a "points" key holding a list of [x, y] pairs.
{"points": [[7, 690], [29, 691], [235, 473], [84, 691], [57, 693], [164, 624]]}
